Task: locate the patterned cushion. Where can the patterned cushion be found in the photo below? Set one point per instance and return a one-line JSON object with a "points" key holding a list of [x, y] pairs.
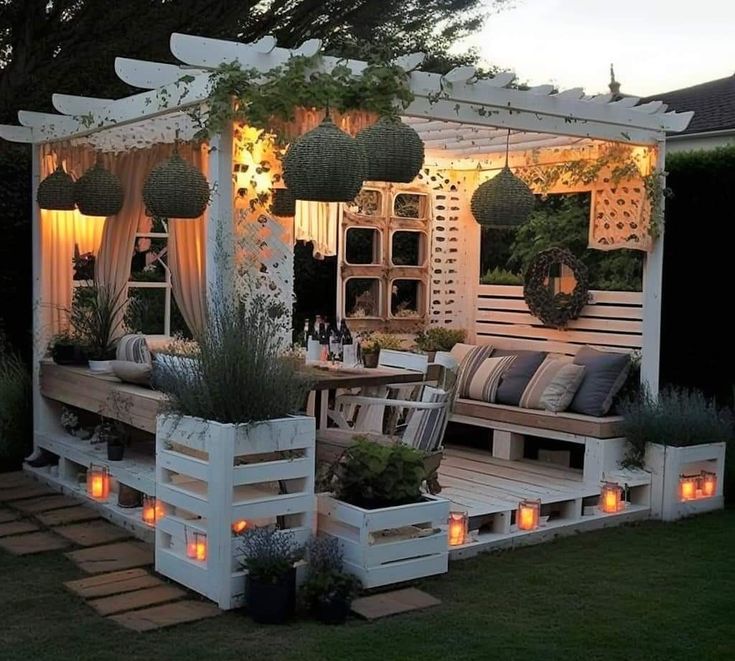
{"points": [[460, 350], [559, 394], [471, 362], [544, 376], [484, 383], [516, 377], [604, 377], [133, 348]]}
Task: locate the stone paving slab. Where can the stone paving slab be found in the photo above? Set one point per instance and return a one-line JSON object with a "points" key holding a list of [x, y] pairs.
{"points": [[105, 585], [137, 599], [17, 527], [67, 515], [113, 557], [45, 504], [31, 490], [167, 615], [384, 604], [35, 542], [92, 533], [8, 515], [14, 479]]}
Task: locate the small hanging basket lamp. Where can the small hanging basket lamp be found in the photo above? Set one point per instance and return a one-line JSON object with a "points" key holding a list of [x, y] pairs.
{"points": [[503, 201], [98, 192], [176, 189], [324, 165], [56, 192], [283, 203], [394, 151]]}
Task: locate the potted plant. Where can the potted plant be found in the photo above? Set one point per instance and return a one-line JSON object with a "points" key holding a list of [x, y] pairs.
{"points": [[328, 590], [377, 510], [115, 435], [680, 437], [436, 338], [97, 316], [68, 349], [269, 556], [372, 343]]}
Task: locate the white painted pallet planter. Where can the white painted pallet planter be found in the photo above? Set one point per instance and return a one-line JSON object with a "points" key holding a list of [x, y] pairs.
{"points": [[210, 475], [376, 562], [667, 463]]}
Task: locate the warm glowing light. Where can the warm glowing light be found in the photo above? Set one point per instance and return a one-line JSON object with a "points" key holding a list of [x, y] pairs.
{"points": [[709, 484], [688, 487], [528, 514], [610, 497], [98, 482], [458, 523], [196, 546], [239, 526], [152, 510]]}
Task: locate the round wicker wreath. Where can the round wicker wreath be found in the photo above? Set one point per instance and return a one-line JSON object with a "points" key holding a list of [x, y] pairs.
{"points": [[555, 310], [394, 150], [56, 192]]}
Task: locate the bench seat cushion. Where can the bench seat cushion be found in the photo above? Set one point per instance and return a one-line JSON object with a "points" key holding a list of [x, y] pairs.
{"points": [[569, 423]]}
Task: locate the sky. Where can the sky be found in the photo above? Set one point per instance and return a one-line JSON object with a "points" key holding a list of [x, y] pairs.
{"points": [[655, 45]]}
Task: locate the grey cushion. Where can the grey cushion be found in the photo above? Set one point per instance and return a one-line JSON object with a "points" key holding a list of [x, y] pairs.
{"points": [[516, 377], [604, 375], [559, 393], [131, 372]]}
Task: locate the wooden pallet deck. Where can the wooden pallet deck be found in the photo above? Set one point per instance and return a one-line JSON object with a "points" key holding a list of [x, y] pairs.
{"points": [[489, 490]]}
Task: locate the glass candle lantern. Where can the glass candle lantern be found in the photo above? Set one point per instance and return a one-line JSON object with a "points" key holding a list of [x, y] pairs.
{"points": [[239, 526], [528, 514], [610, 498], [152, 510], [196, 545], [688, 487], [458, 528], [708, 482], [98, 482]]}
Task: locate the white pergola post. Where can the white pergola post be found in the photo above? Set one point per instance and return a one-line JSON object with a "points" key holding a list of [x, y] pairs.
{"points": [[652, 291], [220, 223]]}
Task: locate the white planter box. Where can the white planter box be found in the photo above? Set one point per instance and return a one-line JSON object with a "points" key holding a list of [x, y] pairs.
{"points": [[210, 475], [374, 558], [667, 463]]}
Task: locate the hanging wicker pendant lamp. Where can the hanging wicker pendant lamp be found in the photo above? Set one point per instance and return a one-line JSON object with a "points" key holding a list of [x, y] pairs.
{"points": [[56, 192], [283, 203], [176, 189], [324, 165], [503, 201], [98, 192], [394, 151]]}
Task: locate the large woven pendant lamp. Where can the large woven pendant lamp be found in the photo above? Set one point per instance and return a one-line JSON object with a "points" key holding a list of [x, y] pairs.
{"points": [[394, 151], [176, 189], [283, 203], [503, 201], [56, 192], [98, 192], [325, 165]]}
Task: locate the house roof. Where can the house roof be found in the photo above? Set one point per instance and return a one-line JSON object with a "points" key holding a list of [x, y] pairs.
{"points": [[713, 104]]}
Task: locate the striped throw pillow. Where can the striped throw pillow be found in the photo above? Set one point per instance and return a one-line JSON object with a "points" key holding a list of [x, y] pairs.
{"points": [[485, 381], [544, 376], [471, 362], [133, 348]]}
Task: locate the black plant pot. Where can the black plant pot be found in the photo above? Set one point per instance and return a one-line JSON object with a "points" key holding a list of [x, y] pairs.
{"points": [[333, 611], [69, 354], [115, 451], [370, 359], [272, 603]]}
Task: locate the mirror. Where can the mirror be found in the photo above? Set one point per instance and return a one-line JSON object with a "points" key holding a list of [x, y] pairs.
{"points": [[560, 279]]}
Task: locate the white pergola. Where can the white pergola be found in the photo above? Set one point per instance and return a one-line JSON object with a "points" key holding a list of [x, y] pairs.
{"points": [[458, 115]]}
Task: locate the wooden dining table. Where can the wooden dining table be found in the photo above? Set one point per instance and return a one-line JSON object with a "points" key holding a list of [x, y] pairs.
{"points": [[328, 377]]}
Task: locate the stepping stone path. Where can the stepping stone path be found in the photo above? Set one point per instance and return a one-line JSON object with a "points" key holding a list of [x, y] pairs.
{"points": [[384, 604], [35, 519]]}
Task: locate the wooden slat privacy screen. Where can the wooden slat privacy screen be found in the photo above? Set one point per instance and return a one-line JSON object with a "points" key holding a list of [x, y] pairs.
{"points": [[612, 320]]}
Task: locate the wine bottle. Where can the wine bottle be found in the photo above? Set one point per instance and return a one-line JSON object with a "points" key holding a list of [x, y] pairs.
{"points": [[323, 342]]}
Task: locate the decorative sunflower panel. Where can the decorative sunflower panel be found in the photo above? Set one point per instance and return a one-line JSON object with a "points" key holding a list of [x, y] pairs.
{"points": [[620, 217]]}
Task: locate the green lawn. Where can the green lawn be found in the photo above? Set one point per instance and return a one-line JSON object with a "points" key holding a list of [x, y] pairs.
{"points": [[650, 591]]}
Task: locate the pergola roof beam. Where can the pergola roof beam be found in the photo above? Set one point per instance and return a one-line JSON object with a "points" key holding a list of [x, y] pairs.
{"points": [[150, 75], [78, 105]]}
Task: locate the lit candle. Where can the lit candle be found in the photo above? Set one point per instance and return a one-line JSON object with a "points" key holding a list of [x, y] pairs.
{"points": [[528, 514], [709, 484], [457, 528], [688, 487], [98, 482], [98, 486], [201, 550], [610, 497], [239, 526]]}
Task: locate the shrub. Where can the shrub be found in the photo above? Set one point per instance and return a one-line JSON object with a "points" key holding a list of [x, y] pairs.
{"points": [[499, 276], [236, 372], [373, 475], [439, 339], [269, 553], [16, 430], [678, 417], [374, 342], [327, 581], [96, 316]]}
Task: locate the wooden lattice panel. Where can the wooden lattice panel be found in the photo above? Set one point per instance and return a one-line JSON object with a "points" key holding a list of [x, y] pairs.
{"points": [[620, 217]]}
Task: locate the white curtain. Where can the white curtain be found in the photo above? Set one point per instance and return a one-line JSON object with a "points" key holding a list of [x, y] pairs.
{"points": [[317, 222]]}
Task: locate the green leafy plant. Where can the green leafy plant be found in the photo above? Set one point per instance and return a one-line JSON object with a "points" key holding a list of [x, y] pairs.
{"points": [[327, 581], [677, 417], [374, 475], [374, 342], [501, 276], [236, 372], [269, 553], [16, 430], [96, 316], [439, 339]]}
